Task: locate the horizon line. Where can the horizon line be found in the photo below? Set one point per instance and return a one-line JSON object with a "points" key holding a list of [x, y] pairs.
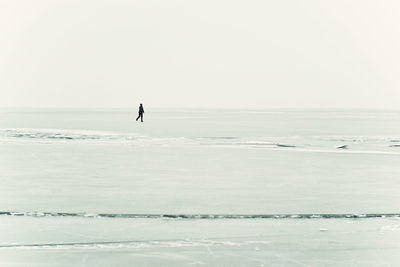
{"points": [[222, 108]]}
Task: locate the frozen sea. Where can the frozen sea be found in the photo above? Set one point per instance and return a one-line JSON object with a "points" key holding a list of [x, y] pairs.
{"points": [[215, 187]]}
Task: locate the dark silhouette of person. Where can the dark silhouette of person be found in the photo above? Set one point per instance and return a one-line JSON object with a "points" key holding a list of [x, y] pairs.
{"points": [[141, 111]]}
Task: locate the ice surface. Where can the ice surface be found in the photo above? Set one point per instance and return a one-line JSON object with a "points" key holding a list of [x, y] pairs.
{"points": [[199, 161], [184, 173], [69, 241]]}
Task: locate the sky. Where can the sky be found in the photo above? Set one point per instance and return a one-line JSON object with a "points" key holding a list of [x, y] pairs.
{"points": [[200, 53]]}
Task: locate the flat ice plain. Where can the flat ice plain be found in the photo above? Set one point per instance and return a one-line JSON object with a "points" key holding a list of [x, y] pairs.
{"points": [[61, 169]]}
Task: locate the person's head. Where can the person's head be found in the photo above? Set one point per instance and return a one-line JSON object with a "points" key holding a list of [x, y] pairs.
{"points": [[140, 104]]}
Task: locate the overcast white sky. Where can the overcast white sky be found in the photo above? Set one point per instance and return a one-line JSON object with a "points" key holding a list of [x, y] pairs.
{"points": [[204, 53]]}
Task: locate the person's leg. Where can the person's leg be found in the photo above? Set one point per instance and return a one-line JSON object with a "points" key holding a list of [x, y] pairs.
{"points": [[141, 117], [138, 117]]}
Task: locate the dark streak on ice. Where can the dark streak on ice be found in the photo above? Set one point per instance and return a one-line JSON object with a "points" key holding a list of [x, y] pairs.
{"points": [[282, 145], [201, 216], [219, 137], [138, 243], [77, 243]]}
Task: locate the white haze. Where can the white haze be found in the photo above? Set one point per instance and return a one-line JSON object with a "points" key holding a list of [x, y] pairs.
{"points": [[209, 53]]}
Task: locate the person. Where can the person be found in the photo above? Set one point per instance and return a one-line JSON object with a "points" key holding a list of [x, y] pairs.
{"points": [[141, 111]]}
